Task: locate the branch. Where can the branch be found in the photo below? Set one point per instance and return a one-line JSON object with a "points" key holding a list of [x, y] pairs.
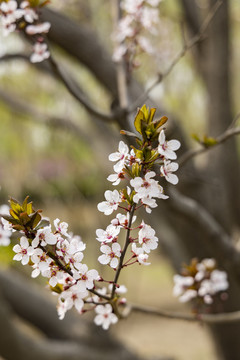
{"points": [[19, 106], [76, 92], [186, 47], [206, 318], [230, 132]]}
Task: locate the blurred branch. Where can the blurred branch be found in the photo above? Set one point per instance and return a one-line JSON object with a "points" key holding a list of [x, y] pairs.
{"points": [[186, 47], [230, 132], [120, 66], [192, 15], [206, 318], [76, 92], [221, 241], [19, 106], [68, 82]]}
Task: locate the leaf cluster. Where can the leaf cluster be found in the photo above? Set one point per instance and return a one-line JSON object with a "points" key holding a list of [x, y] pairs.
{"points": [[23, 216]]}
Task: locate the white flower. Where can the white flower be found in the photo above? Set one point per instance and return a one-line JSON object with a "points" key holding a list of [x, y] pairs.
{"points": [[29, 13], [23, 251], [62, 227], [45, 237], [181, 283], [41, 262], [139, 253], [167, 148], [116, 178], [105, 316], [188, 295], [54, 275], [119, 290], [110, 255], [131, 6], [147, 188], [73, 297], [108, 235], [38, 29], [147, 238], [111, 203], [120, 156], [40, 52], [122, 220], [167, 169], [85, 278]]}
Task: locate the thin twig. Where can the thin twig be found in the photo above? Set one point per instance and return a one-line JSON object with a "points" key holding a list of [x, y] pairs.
{"points": [[127, 242], [75, 92], [186, 47], [206, 318], [230, 132]]}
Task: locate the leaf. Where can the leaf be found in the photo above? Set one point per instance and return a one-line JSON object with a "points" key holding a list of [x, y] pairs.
{"points": [[24, 218], [129, 133], [151, 115], [35, 219], [15, 206], [10, 219], [13, 214], [42, 224], [160, 122], [138, 121], [209, 141], [24, 204], [196, 137]]}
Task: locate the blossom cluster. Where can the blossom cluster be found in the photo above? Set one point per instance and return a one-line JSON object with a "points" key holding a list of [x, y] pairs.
{"points": [[201, 281], [57, 254], [24, 17], [139, 17]]}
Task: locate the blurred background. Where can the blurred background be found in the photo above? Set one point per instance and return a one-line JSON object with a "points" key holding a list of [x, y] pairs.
{"points": [[54, 150]]}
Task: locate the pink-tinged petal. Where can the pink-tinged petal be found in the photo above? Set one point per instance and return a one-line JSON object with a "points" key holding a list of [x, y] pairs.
{"points": [[79, 304], [106, 324], [161, 137], [114, 318], [35, 273], [174, 144], [116, 247], [24, 242], [114, 156], [17, 248], [98, 319], [123, 148], [172, 178], [104, 259], [53, 281], [114, 263], [150, 175], [100, 309], [173, 166], [93, 274], [105, 249], [112, 177], [17, 257], [25, 259]]}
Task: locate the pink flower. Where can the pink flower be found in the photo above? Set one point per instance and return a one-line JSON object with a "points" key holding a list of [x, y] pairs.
{"points": [[40, 52], [167, 148], [110, 255], [105, 316]]}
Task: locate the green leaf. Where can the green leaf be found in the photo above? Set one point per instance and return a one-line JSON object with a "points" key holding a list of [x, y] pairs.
{"points": [[138, 121], [160, 122], [35, 219], [196, 137], [42, 224], [24, 218], [209, 141]]}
